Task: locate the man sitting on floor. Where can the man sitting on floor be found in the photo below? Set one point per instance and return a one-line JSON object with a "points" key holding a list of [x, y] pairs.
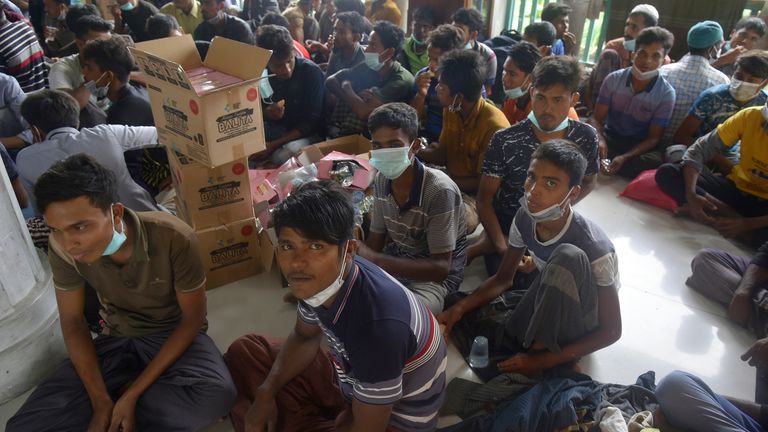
{"points": [[386, 349], [634, 108], [152, 367], [347, 33], [415, 56], [293, 114], [558, 15], [717, 104], [379, 80], [571, 309], [517, 78], [219, 23], [418, 208], [744, 37], [471, 22], [542, 34], [554, 91], [737, 205]]}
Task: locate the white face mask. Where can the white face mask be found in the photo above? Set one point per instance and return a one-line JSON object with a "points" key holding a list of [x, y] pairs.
{"points": [[644, 76], [553, 212], [743, 91], [320, 298], [455, 106]]}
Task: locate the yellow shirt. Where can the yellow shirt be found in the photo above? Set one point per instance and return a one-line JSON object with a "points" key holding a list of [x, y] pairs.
{"points": [[467, 139], [388, 11], [188, 22], [747, 126]]}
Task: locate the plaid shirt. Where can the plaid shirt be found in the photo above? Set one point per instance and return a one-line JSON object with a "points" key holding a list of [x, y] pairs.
{"points": [[690, 76]]}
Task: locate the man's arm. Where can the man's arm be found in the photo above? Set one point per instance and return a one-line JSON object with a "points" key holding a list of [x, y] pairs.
{"points": [[688, 131], [489, 290], [367, 418], [435, 154], [433, 269], [587, 185], [488, 187], [297, 353], [362, 104], [649, 143], [376, 241], [607, 332], [134, 137], [82, 353], [20, 192], [333, 82], [754, 277], [597, 121], [468, 184]]}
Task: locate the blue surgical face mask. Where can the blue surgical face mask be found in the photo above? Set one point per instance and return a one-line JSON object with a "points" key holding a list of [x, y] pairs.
{"points": [[629, 45], [127, 7], [391, 162], [535, 121], [468, 45], [373, 62], [95, 90], [118, 238], [553, 212], [417, 41]]}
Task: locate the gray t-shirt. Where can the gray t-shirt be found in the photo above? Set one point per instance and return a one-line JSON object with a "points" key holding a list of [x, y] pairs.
{"points": [[431, 222]]}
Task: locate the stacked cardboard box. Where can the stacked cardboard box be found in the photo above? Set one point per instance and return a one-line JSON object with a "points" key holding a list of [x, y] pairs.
{"points": [[208, 116]]}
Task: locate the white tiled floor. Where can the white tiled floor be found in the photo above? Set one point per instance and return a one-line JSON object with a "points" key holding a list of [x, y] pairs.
{"points": [[666, 325]]}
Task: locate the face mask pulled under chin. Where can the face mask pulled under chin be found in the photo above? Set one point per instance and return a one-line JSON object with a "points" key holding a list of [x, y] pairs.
{"points": [[455, 106], [320, 298], [553, 212], [95, 90]]}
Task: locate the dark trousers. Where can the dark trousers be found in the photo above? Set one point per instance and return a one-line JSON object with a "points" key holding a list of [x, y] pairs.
{"points": [[618, 145], [670, 179], [192, 393]]}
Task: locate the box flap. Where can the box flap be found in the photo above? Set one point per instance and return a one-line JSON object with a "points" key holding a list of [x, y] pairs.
{"points": [[180, 50], [351, 144], [267, 249], [235, 58]]}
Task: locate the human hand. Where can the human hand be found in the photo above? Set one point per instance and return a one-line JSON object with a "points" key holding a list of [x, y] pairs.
{"points": [[523, 364], [698, 206], [366, 95], [423, 80], [124, 414], [102, 415], [731, 55], [757, 354], [330, 42], [262, 415], [602, 149], [448, 318], [615, 165], [740, 308], [314, 46], [50, 32], [275, 111], [527, 265], [569, 42]]}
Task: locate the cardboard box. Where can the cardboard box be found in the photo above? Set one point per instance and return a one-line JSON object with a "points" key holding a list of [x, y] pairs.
{"points": [[219, 126], [208, 197], [234, 251], [352, 144]]}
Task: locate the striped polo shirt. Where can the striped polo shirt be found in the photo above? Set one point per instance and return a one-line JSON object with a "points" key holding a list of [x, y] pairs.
{"points": [[430, 223], [630, 113], [385, 345], [21, 55]]}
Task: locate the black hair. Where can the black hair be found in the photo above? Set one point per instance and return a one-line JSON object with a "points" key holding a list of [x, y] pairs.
{"points": [[469, 17], [275, 38], [751, 23], [78, 11], [565, 70], [651, 35], [424, 14], [354, 20], [90, 23], [350, 6], [396, 115], [161, 25], [446, 38], [51, 109], [391, 36], [525, 56], [111, 55], [565, 155], [554, 10], [543, 31], [754, 62], [648, 20], [317, 211], [463, 71], [63, 2], [76, 176], [274, 18]]}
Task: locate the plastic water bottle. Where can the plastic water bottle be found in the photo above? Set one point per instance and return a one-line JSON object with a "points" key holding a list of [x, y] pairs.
{"points": [[478, 356]]}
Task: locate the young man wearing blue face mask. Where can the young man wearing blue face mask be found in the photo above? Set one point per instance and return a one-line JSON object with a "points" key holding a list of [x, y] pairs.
{"points": [[554, 91], [418, 208], [151, 367], [131, 18], [386, 366], [634, 109], [571, 308], [378, 80]]}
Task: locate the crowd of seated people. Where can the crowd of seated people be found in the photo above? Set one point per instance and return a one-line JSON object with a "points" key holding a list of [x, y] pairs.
{"points": [[82, 154]]}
